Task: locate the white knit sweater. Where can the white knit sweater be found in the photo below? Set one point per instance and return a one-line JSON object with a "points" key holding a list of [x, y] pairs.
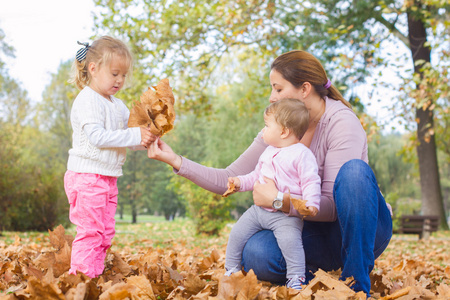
{"points": [[103, 149]]}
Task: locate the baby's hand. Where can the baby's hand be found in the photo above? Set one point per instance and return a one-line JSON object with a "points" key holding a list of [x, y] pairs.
{"points": [[147, 137], [313, 211], [233, 186], [235, 182]]}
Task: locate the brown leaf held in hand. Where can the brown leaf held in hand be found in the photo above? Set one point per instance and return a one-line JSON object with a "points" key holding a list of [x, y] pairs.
{"points": [[155, 109], [300, 206], [229, 191]]}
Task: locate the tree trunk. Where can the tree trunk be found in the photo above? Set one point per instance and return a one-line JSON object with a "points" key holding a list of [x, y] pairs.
{"points": [[121, 211], [133, 190], [432, 202]]}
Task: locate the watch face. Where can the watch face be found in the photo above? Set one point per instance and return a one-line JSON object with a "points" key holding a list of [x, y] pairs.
{"points": [[277, 204]]}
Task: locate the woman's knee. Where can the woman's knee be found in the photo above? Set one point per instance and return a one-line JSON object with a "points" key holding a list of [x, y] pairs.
{"points": [[259, 246], [355, 182], [264, 257], [354, 169]]}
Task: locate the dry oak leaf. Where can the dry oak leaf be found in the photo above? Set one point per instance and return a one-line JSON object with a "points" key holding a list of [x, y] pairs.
{"points": [[194, 284], [58, 238], [58, 260], [203, 294], [78, 292], [155, 109], [116, 263], [325, 281], [443, 290], [174, 275], [239, 286], [136, 287], [207, 262], [40, 289], [82, 290]]}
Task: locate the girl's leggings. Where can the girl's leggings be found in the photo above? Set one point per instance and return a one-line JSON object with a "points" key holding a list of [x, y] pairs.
{"points": [[93, 203]]}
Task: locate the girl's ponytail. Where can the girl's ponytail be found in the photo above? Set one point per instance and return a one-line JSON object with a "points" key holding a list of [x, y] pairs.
{"points": [[79, 71]]}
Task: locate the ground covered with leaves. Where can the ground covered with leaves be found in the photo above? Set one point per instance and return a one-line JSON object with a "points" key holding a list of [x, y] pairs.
{"points": [[166, 260]]}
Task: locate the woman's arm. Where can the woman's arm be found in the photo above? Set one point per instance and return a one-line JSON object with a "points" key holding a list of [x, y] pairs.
{"points": [[211, 179], [344, 140]]}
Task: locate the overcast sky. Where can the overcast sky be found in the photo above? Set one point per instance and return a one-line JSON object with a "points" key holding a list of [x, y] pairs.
{"points": [[44, 33]]}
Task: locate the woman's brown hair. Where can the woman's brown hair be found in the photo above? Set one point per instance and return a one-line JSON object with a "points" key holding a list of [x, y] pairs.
{"points": [[299, 67]]}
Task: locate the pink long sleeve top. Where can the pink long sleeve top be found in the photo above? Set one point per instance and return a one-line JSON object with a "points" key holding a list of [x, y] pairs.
{"points": [[338, 138], [293, 169]]}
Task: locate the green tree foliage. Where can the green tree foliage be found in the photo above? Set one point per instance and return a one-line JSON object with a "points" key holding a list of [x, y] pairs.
{"points": [[187, 39], [209, 211], [445, 181], [397, 176], [132, 185], [53, 115], [9, 177], [394, 174], [143, 188], [163, 198], [29, 197]]}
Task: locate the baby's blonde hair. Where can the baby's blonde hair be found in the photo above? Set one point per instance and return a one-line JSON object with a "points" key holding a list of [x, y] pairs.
{"points": [[100, 52], [291, 114]]}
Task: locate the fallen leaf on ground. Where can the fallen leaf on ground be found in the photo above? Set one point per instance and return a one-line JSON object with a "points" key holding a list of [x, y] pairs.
{"points": [[181, 271]]}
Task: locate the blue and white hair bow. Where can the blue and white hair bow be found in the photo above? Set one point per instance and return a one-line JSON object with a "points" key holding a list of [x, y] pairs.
{"points": [[81, 54]]}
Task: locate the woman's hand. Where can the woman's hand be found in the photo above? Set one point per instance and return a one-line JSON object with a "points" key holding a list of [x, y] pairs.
{"points": [[263, 194], [159, 150]]}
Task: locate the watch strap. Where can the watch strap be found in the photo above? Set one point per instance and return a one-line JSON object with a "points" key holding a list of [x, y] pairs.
{"points": [[280, 196]]}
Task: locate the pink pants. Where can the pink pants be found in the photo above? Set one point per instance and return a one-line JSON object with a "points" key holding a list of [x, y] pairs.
{"points": [[93, 203]]}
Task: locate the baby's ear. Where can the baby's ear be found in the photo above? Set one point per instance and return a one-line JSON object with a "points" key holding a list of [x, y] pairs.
{"points": [[285, 132]]}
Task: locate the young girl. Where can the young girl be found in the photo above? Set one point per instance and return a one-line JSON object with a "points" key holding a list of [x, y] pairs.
{"points": [[294, 169], [100, 137]]}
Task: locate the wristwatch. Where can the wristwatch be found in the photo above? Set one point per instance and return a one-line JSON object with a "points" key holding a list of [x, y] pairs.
{"points": [[278, 201]]}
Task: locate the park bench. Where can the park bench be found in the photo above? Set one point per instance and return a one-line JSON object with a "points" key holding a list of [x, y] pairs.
{"points": [[417, 224]]}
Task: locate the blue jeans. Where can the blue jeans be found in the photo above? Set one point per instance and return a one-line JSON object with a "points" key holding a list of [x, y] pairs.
{"points": [[353, 242]]}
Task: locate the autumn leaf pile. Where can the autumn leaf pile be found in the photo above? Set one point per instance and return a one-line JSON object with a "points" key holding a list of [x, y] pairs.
{"points": [[155, 109], [37, 269]]}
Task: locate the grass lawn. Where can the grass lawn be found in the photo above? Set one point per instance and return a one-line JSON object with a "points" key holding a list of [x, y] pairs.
{"points": [[149, 232], [156, 232]]}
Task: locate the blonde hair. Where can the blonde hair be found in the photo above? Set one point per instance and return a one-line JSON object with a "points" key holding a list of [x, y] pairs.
{"points": [[299, 66], [100, 52], [291, 114]]}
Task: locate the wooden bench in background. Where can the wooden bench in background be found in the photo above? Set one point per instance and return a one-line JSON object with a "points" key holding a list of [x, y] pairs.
{"points": [[421, 225]]}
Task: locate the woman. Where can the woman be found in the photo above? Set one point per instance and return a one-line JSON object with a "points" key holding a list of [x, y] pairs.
{"points": [[354, 225]]}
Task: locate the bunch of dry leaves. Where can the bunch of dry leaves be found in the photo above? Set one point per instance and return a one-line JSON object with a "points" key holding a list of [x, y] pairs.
{"points": [[155, 109], [39, 271]]}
